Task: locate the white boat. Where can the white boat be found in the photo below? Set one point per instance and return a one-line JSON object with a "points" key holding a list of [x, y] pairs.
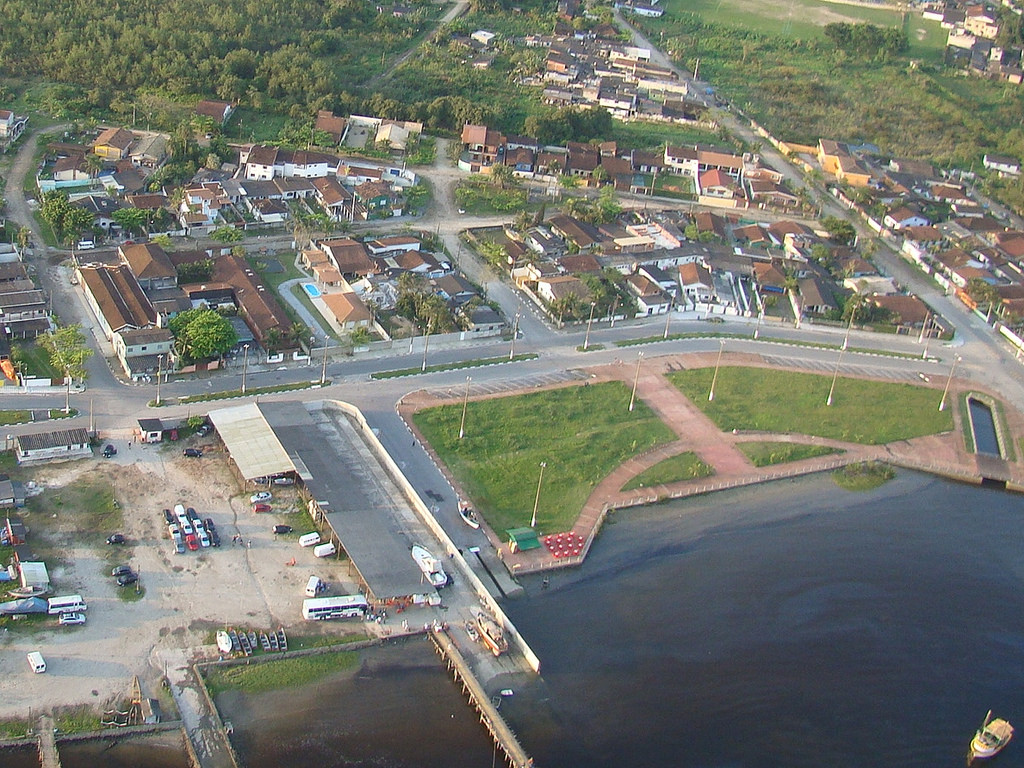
{"points": [[468, 516], [491, 633], [430, 566], [991, 737], [224, 641]]}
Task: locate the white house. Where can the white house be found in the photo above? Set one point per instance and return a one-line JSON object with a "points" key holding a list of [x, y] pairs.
{"points": [[1005, 166]]}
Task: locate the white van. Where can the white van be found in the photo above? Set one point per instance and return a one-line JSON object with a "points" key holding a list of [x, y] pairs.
{"points": [[325, 550], [36, 662], [313, 586], [65, 604], [86, 245], [309, 539]]}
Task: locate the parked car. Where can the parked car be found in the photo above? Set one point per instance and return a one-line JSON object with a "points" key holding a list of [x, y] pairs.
{"points": [[192, 453], [116, 538], [192, 515], [179, 546], [261, 480], [170, 518], [66, 619], [126, 579], [208, 522], [283, 481], [282, 529], [214, 537], [260, 496], [109, 451], [204, 430], [258, 508], [121, 570], [192, 542]]}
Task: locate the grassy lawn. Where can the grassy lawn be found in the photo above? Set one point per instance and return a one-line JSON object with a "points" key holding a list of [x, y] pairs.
{"points": [[478, 196], [868, 412], [76, 719], [671, 185], [583, 433], [34, 361], [640, 135], [249, 392], [685, 466], [14, 728], [15, 417], [863, 476], [764, 454], [452, 366], [92, 502], [285, 673]]}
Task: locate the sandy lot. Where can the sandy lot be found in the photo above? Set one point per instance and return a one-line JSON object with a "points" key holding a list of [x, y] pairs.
{"points": [[186, 596]]}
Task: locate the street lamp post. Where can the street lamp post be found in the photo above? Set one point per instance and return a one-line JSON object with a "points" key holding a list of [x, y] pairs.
{"points": [[668, 317], [636, 378], [924, 327], [323, 368], [312, 342], [849, 327], [839, 359], [426, 343], [718, 362], [590, 322], [515, 332], [465, 404], [760, 313], [615, 306], [159, 371], [245, 364], [536, 501], [949, 380]]}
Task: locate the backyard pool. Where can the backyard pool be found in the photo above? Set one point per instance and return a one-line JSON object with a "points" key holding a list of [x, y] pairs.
{"points": [[312, 291]]}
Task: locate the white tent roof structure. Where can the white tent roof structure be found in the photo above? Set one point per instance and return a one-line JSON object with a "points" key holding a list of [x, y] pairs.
{"points": [[251, 441]]}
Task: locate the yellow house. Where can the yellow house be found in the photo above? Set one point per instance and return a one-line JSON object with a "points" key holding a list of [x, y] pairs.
{"points": [[852, 172], [113, 144], [829, 153]]}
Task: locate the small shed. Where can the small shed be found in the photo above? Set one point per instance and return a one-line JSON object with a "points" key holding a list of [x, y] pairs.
{"points": [[151, 430], [33, 574], [522, 539]]}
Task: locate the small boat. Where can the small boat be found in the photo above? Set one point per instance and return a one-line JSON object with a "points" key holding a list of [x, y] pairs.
{"points": [[471, 630], [506, 692], [430, 566], [273, 641], [991, 737], [282, 639], [244, 640], [236, 645], [22, 592], [468, 516], [264, 641], [491, 633], [253, 641], [223, 641]]}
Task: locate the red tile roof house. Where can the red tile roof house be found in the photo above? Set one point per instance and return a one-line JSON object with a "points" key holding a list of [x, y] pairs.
{"points": [[482, 145], [218, 111]]}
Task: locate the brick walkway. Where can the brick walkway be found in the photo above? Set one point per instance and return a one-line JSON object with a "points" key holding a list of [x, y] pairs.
{"points": [[941, 454]]}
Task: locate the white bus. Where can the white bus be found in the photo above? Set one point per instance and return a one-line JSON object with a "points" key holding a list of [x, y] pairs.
{"points": [[65, 604], [341, 607]]}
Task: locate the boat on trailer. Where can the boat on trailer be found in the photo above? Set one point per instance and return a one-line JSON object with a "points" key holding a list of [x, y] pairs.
{"points": [[991, 737], [430, 566], [491, 633]]}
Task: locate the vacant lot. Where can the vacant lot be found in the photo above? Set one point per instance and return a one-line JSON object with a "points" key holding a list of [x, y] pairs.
{"points": [[581, 433], [862, 411], [184, 597]]}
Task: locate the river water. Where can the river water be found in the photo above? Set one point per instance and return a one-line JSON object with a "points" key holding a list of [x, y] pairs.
{"points": [[790, 624]]}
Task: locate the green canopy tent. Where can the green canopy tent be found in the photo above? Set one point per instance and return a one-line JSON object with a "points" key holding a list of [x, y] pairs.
{"points": [[522, 539]]}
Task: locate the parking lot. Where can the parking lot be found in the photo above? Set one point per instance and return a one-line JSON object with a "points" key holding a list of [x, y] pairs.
{"points": [[254, 579]]}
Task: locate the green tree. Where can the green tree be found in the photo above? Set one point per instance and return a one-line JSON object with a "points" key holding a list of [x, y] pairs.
{"points": [[200, 334], [840, 231], [68, 354], [131, 219], [227, 235]]}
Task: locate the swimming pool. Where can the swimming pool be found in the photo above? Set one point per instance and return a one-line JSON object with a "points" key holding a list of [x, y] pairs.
{"points": [[312, 291]]}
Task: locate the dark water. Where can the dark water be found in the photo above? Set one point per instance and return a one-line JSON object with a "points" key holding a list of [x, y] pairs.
{"points": [[789, 625], [158, 751], [985, 438], [22, 757], [399, 710]]}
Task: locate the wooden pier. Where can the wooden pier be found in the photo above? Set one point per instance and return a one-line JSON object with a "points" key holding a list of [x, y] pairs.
{"points": [[495, 724], [48, 757]]}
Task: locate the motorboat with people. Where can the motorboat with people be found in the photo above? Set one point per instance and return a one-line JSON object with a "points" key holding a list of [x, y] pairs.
{"points": [[430, 566], [991, 737], [468, 516], [491, 633]]}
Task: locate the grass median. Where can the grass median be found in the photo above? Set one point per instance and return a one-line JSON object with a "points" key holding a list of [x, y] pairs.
{"points": [[862, 411], [582, 433], [675, 469]]}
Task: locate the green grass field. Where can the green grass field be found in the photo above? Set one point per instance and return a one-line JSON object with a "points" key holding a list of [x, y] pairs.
{"points": [[582, 433], [283, 673], [868, 412], [763, 454], [685, 466]]}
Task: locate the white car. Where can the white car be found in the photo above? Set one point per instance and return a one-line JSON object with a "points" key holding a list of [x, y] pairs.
{"points": [[262, 496], [66, 619]]}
